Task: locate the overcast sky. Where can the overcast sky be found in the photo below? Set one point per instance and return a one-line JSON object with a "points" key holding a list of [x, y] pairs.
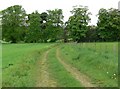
{"points": [[66, 5]]}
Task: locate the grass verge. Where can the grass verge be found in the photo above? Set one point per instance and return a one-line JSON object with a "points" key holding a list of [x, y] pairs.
{"points": [[99, 61]]}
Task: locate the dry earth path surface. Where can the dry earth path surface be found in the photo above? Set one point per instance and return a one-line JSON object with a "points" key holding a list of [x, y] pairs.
{"points": [[44, 80]]}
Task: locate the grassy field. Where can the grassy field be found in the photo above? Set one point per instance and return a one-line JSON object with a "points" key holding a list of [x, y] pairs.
{"points": [[19, 61], [98, 61]]}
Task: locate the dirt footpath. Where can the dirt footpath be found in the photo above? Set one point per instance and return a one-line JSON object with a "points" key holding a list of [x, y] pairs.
{"points": [[44, 79]]}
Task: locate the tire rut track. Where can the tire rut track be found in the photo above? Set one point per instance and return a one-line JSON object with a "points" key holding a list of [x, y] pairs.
{"points": [[84, 80], [44, 79]]}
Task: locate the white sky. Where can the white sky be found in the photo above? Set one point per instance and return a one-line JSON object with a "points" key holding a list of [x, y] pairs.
{"points": [[66, 5]]}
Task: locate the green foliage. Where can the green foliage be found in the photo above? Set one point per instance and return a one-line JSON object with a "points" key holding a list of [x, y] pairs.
{"points": [[33, 34], [108, 24], [78, 23], [45, 26], [13, 23], [92, 34], [55, 23], [17, 26], [0, 25], [45, 32]]}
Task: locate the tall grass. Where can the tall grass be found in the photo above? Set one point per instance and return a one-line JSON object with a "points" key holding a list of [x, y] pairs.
{"points": [[97, 60]]}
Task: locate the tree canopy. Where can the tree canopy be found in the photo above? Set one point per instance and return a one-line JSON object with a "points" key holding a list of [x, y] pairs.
{"points": [[78, 23], [108, 24], [49, 26], [13, 21]]}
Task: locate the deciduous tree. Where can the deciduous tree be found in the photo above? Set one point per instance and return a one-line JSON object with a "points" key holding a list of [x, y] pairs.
{"points": [[109, 24], [78, 23], [13, 23]]}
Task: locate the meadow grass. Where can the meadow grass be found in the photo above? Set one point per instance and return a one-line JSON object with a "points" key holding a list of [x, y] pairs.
{"points": [[59, 73], [99, 61], [19, 63], [12, 53]]}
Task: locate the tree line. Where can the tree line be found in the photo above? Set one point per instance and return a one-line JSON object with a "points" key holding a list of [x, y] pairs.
{"points": [[48, 26]]}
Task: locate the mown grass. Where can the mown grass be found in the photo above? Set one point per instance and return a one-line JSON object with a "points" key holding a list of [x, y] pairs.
{"points": [[99, 61], [19, 63], [59, 73]]}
